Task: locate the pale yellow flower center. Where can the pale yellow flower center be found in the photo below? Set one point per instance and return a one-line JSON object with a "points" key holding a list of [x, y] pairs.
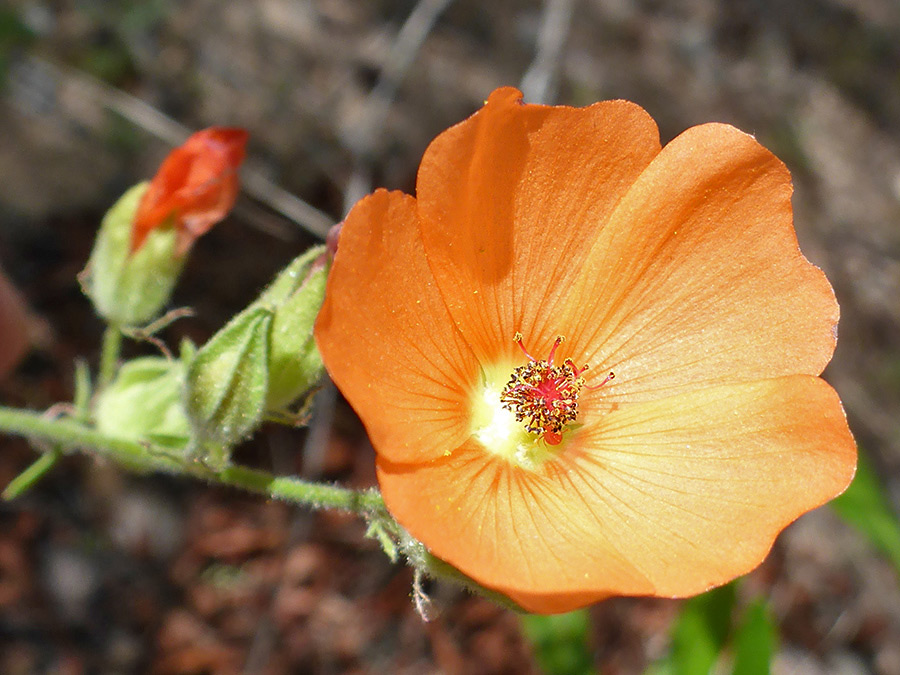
{"points": [[496, 428]]}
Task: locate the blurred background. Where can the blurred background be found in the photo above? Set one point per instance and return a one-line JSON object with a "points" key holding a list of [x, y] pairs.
{"points": [[106, 572]]}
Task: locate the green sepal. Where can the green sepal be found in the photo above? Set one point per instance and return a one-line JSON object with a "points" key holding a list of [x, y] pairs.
{"points": [[295, 296], [424, 562], [377, 530], [289, 279], [130, 289], [227, 384], [187, 350], [144, 403]]}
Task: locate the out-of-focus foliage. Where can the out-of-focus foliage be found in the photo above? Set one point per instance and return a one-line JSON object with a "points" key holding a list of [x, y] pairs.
{"points": [[866, 507], [14, 35], [754, 644], [701, 631], [560, 642], [709, 634]]}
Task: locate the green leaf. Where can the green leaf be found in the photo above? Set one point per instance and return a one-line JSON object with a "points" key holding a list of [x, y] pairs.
{"points": [[27, 479], [701, 631], [865, 506], [560, 642], [754, 643]]}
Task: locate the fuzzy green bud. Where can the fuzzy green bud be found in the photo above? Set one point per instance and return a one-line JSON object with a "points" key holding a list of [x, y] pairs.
{"points": [[226, 386], [144, 403], [295, 296], [130, 288]]}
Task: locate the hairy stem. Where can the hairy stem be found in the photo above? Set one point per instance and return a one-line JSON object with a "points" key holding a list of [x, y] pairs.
{"points": [[68, 434]]}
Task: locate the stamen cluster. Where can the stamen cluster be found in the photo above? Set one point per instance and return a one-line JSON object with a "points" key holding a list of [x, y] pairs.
{"points": [[543, 395]]}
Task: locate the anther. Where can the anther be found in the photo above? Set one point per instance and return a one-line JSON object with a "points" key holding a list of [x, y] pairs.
{"points": [[542, 395], [575, 369], [594, 387], [559, 340], [517, 338]]}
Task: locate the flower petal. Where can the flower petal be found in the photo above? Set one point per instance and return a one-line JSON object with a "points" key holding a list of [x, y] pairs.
{"points": [[196, 185], [667, 497], [698, 278], [509, 529], [510, 201], [387, 339]]}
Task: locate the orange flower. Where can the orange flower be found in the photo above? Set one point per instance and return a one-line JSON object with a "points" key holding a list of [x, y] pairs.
{"points": [[194, 188], [676, 268]]}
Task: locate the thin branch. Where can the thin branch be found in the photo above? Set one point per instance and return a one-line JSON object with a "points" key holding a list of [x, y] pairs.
{"points": [[287, 204], [358, 136], [539, 84], [141, 114]]}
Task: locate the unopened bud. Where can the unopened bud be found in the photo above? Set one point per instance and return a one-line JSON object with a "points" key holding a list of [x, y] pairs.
{"points": [[144, 403], [130, 289], [295, 297], [226, 387], [146, 236]]}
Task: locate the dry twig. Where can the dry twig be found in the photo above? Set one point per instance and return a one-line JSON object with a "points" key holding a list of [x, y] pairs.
{"points": [[87, 88], [539, 84]]}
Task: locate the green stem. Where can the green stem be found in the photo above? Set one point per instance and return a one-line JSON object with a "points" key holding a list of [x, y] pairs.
{"points": [[109, 354], [67, 434], [82, 400], [21, 483], [70, 434]]}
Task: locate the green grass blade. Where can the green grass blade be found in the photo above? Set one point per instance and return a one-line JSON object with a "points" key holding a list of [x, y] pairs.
{"points": [[754, 643], [701, 631]]}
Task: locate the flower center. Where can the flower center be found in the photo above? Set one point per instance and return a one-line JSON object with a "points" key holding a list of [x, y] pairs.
{"points": [[522, 417], [545, 396]]}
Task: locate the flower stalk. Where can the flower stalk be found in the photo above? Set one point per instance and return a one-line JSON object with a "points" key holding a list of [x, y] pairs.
{"points": [[109, 354], [67, 434]]}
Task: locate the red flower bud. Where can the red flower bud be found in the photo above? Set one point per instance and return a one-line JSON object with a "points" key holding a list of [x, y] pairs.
{"points": [[194, 188]]}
